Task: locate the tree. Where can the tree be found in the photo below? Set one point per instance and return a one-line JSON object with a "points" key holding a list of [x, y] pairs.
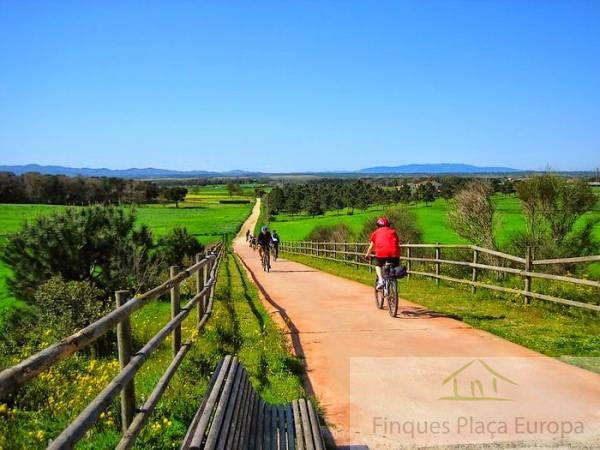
{"points": [[404, 193], [472, 214], [97, 244], [175, 194], [552, 205], [507, 187], [276, 199], [177, 246], [428, 194], [234, 189]]}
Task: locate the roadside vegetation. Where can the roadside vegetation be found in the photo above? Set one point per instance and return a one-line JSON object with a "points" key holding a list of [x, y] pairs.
{"points": [[239, 325]]}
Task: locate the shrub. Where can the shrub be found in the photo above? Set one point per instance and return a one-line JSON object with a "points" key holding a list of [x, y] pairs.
{"points": [[472, 214], [402, 219], [68, 306], [97, 244], [552, 205], [331, 233], [177, 246]]}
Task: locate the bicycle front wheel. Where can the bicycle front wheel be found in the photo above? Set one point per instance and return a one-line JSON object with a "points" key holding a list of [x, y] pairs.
{"points": [[392, 297]]}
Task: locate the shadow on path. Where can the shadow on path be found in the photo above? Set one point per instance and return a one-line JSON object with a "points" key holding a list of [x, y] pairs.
{"points": [[415, 312]]}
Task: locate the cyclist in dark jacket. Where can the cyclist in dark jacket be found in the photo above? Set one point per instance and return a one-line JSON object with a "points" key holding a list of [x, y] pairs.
{"points": [[275, 240], [263, 240]]}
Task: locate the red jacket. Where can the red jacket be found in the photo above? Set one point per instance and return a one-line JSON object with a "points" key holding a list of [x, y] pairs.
{"points": [[386, 241]]}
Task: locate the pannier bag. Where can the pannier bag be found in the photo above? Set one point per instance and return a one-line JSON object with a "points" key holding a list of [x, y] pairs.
{"points": [[400, 272]]}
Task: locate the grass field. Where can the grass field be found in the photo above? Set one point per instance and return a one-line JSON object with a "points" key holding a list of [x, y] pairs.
{"points": [[205, 218], [432, 220]]}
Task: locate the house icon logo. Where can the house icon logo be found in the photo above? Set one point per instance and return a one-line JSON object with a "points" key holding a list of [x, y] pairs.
{"points": [[476, 381]]}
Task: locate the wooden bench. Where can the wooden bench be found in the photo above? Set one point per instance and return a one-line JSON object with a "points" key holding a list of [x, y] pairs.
{"points": [[232, 416]]}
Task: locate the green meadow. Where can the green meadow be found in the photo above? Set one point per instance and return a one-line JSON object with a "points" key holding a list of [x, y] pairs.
{"points": [[207, 219], [431, 218]]}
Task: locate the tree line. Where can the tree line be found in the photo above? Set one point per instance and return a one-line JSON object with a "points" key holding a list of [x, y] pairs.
{"points": [[315, 198], [63, 190]]}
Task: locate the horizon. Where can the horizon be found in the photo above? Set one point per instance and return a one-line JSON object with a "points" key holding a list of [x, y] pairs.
{"points": [[302, 87]]}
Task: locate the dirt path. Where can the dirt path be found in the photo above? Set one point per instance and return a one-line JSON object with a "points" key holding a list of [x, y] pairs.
{"points": [[385, 383]]}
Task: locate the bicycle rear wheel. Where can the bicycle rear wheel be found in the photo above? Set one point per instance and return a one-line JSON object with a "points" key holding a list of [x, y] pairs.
{"points": [[378, 296], [392, 297]]}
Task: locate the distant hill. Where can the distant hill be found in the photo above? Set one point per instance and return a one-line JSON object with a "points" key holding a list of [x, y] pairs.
{"points": [[435, 169], [149, 172]]}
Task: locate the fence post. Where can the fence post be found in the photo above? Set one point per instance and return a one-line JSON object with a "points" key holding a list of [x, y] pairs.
{"points": [[175, 309], [437, 263], [345, 251], [528, 267], [124, 345], [318, 249], [356, 254], [474, 275], [205, 275], [408, 261], [199, 286]]}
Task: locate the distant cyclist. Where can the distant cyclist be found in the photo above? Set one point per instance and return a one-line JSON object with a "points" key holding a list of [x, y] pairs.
{"points": [[275, 242], [248, 235], [263, 240], [386, 243]]}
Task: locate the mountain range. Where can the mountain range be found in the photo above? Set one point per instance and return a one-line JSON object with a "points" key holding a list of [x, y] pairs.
{"points": [[165, 173]]}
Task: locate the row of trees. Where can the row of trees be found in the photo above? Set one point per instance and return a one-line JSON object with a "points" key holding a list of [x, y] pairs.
{"points": [[63, 190], [317, 197]]}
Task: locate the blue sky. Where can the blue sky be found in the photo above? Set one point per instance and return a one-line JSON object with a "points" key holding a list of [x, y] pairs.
{"points": [[300, 85]]}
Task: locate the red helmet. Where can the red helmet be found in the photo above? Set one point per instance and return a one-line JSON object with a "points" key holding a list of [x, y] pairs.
{"points": [[383, 222]]}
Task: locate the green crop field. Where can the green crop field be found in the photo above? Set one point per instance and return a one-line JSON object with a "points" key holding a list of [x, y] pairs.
{"points": [[205, 219]]}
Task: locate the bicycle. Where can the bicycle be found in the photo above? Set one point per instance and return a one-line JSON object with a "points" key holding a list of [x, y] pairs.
{"points": [[274, 250], [389, 291], [266, 259]]}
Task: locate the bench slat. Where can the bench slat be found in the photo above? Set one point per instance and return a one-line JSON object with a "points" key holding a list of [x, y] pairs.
{"points": [[298, 425], [213, 398], [230, 424], [306, 431], [316, 430], [291, 435], [215, 429], [243, 414]]}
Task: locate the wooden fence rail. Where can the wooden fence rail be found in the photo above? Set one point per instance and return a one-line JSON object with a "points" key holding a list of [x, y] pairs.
{"points": [[339, 251], [205, 270]]}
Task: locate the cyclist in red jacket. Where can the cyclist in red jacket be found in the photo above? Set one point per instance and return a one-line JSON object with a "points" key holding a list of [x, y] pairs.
{"points": [[386, 243]]}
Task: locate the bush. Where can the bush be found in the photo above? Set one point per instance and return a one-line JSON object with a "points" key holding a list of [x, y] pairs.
{"points": [[330, 233], [178, 246], [552, 207], [68, 306], [472, 214], [97, 244], [402, 219]]}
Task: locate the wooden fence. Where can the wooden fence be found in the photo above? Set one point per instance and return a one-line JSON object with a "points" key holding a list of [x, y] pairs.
{"points": [[352, 253], [134, 419]]}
